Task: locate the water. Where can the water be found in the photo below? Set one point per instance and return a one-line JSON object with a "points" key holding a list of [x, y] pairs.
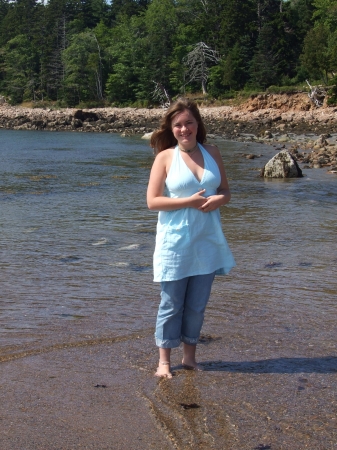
{"points": [[77, 241]]}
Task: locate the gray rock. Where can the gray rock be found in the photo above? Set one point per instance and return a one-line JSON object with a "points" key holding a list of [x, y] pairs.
{"points": [[282, 165], [147, 136]]}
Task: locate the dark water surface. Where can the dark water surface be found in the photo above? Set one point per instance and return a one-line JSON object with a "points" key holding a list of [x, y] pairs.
{"points": [[77, 240]]}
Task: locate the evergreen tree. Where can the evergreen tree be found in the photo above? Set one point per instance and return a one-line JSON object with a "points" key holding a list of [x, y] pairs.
{"points": [[263, 68], [21, 67], [128, 8], [82, 80], [125, 59], [22, 18], [160, 25], [315, 56]]}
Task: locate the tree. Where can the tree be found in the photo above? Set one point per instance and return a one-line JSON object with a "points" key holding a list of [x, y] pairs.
{"points": [[82, 81], [125, 60], [161, 23], [263, 67], [22, 18], [197, 63], [232, 73], [128, 8], [326, 13], [315, 56], [20, 63]]}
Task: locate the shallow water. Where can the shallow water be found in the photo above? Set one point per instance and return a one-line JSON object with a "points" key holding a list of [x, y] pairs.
{"points": [[77, 241]]}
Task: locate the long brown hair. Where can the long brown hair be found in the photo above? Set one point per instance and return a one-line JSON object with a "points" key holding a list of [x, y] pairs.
{"points": [[164, 138]]}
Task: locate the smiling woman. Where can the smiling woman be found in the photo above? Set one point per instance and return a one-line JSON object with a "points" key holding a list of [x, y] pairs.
{"points": [[184, 129], [187, 186]]}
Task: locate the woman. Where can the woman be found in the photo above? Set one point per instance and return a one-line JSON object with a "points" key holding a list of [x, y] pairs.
{"points": [[187, 186]]}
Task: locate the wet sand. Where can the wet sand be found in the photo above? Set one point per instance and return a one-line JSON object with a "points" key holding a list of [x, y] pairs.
{"points": [[262, 388]]}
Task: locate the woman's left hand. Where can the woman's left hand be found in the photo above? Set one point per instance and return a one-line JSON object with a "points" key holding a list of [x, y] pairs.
{"points": [[213, 202]]}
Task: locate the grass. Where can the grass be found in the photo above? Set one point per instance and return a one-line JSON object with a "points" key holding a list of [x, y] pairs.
{"points": [[229, 98]]}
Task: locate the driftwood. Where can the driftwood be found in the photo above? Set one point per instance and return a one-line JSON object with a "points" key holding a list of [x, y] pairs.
{"points": [[317, 94], [161, 94]]}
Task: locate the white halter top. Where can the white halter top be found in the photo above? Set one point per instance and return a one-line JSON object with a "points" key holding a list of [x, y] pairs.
{"points": [[190, 242]]}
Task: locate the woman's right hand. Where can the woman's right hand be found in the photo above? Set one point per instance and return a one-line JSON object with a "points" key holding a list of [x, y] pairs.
{"points": [[197, 199]]}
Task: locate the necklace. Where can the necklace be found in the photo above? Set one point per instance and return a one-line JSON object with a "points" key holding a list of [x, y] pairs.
{"points": [[189, 151]]}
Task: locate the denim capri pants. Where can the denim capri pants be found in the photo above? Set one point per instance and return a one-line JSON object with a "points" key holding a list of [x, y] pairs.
{"points": [[181, 310]]}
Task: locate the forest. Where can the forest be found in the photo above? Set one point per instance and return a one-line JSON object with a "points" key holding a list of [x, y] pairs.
{"points": [[144, 52]]}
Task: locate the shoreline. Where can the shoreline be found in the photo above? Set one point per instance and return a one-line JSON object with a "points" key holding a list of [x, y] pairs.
{"points": [[255, 116], [281, 119]]}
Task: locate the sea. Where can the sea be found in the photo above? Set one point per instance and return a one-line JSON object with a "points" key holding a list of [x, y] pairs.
{"points": [[77, 239]]}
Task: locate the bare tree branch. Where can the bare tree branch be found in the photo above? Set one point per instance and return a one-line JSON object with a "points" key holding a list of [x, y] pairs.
{"points": [[317, 94], [197, 62], [160, 93]]}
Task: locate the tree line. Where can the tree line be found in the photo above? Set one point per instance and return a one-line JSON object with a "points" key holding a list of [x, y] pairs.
{"points": [[136, 52]]}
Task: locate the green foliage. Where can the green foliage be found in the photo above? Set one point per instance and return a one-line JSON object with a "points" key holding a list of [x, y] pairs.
{"points": [[263, 67], [82, 69], [332, 92], [90, 52], [20, 67], [315, 57], [283, 89]]}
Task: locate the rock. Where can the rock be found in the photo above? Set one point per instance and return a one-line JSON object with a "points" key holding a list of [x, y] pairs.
{"points": [[76, 123], [147, 135], [282, 165], [322, 141], [283, 138], [87, 116]]}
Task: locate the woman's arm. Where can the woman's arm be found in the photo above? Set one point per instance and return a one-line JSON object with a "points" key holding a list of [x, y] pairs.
{"points": [[223, 195], [156, 201]]}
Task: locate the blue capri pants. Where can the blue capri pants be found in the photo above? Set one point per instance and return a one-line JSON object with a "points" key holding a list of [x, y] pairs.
{"points": [[181, 310]]}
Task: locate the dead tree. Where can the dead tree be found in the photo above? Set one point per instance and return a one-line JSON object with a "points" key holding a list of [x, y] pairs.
{"points": [[160, 94], [98, 71], [197, 62], [317, 94]]}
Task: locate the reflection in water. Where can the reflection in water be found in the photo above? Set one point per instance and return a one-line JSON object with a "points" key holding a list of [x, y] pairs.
{"points": [[80, 252]]}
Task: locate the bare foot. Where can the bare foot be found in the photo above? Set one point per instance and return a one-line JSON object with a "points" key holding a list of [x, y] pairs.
{"points": [[163, 370], [192, 365]]}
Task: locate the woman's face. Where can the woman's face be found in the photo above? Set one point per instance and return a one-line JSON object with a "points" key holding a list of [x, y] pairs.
{"points": [[184, 129]]}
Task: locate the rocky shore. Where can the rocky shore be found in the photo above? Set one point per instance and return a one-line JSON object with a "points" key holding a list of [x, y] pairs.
{"points": [[280, 119]]}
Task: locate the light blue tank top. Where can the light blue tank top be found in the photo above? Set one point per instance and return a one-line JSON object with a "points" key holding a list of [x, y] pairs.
{"points": [[188, 241]]}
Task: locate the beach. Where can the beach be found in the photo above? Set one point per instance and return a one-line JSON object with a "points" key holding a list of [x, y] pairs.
{"points": [[260, 390], [78, 304], [293, 113]]}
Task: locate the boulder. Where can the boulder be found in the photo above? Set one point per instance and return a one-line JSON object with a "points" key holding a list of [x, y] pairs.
{"points": [[322, 140], [282, 165], [147, 135], [87, 116]]}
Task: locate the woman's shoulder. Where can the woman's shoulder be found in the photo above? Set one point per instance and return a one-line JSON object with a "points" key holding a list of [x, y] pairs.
{"points": [[165, 154], [163, 160]]}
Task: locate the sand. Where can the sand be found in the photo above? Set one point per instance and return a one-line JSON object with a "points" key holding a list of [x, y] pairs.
{"points": [[104, 396]]}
